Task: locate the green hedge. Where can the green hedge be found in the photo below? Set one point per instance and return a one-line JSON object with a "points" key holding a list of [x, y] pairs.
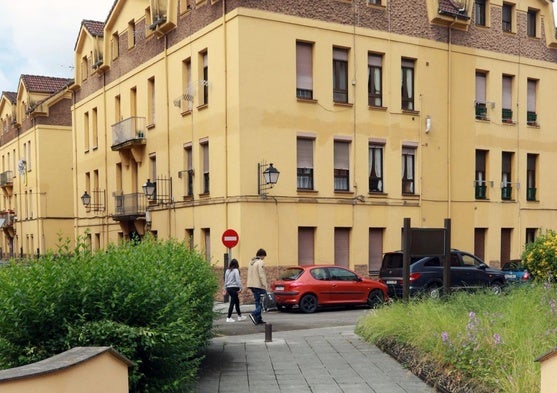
{"points": [[152, 301]]}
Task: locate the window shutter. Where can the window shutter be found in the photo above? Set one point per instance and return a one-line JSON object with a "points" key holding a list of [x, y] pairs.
{"points": [[342, 155], [342, 246], [304, 66], [305, 153], [374, 60], [305, 246], [340, 54], [507, 92], [531, 103], [480, 88]]}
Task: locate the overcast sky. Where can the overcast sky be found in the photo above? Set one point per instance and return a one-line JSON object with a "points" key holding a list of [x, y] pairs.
{"points": [[37, 37]]}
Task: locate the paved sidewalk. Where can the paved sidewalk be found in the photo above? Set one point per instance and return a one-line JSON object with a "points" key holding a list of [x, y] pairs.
{"points": [[323, 360]]}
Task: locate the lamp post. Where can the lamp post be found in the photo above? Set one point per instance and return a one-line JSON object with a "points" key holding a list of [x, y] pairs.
{"points": [[150, 189], [269, 174], [86, 199]]}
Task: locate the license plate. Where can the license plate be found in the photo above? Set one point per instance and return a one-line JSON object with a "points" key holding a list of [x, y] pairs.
{"points": [[509, 276], [279, 288], [390, 282]]}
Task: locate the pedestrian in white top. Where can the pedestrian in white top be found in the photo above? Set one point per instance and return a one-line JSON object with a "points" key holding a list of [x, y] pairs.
{"points": [[233, 286]]}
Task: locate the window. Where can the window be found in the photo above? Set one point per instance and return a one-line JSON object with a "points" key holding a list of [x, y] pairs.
{"points": [[204, 100], [306, 245], [375, 168], [374, 80], [131, 34], [531, 163], [29, 157], [206, 234], [340, 75], [189, 238], [147, 19], [481, 108], [151, 107], [153, 167], [342, 247], [531, 235], [408, 163], [95, 127], [117, 109], [133, 102], [506, 175], [305, 163], [341, 170], [531, 115], [507, 17], [373, 2], [531, 19], [480, 181], [480, 12], [86, 131], [205, 166], [115, 47], [506, 111], [304, 70], [187, 98], [189, 170], [84, 68], [407, 84]]}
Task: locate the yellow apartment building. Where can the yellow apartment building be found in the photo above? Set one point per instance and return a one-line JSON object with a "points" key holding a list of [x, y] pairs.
{"points": [[36, 209], [372, 111]]}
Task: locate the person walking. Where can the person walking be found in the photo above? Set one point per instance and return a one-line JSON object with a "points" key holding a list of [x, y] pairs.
{"points": [[233, 286], [257, 282]]}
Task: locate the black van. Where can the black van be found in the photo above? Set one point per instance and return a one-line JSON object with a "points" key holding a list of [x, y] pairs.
{"points": [[426, 274]]}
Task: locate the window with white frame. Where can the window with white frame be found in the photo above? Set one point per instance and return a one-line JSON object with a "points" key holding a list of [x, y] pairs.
{"points": [[480, 178], [340, 75], [407, 84], [480, 102], [506, 175], [531, 163], [205, 158], [531, 115], [408, 169], [376, 167], [506, 110], [342, 165], [304, 70], [304, 155], [375, 80]]}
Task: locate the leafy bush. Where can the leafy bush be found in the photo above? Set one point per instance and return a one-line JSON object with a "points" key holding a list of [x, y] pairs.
{"points": [[152, 301], [540, 256]]}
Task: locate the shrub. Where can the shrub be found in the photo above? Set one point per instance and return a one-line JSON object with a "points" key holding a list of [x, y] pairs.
{"points": [[540, 256], [152, 301]]}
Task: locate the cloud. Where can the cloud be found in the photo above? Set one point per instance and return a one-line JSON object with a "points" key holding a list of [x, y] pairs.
{"points": [[38, 37]]}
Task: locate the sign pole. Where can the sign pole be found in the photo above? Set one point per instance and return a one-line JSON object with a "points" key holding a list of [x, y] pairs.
{"points": [[225, 297]]}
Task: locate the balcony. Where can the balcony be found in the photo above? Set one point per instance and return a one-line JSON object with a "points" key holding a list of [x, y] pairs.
{"points": [[129, 207], [7, 220], [6, 182], [481, 111], [128, 133]]}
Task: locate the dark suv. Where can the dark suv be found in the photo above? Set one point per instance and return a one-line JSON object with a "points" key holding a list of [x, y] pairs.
{"points": [[426, 274]]}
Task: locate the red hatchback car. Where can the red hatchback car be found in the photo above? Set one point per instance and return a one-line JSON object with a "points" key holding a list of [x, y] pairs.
{"points": [[312, 286]]}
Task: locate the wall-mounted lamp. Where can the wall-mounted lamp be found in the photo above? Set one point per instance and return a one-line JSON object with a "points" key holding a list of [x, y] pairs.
{"points": [[427, 123], [150, 189], [86, 199], [267, 177]]}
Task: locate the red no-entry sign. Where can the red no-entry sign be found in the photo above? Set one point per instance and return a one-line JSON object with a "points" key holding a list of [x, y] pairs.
{"points": [[230, 238]]}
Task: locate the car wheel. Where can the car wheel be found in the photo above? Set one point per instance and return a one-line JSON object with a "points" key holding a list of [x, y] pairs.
{"points": [[375, 298], [308, 303], [496, 288], [433, 291]]}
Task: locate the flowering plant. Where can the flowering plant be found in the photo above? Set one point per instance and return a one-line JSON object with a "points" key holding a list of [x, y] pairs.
{"points": [[540, 257]]}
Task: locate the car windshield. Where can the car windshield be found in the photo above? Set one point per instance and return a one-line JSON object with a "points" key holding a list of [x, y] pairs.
{"points": [[513, 265], [394, 260], [291, 273]]}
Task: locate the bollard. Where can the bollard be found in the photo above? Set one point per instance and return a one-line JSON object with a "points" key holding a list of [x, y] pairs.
{"points": [[268, 332]]}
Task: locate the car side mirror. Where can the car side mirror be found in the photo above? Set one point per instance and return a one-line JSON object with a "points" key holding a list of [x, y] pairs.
{"points": [[482, 266]]}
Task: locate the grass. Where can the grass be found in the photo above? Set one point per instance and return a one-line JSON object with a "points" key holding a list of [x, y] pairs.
{"points": [[491, 340]]}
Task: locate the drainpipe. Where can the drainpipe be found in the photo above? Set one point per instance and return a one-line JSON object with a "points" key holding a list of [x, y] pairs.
{"points": [[449, 119]]}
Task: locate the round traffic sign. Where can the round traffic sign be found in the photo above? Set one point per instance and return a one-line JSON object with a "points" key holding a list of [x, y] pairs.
{"points": [[230, 238]]}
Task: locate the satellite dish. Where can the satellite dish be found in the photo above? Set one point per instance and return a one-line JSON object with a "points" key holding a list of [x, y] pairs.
{"points": [[21, 166]]}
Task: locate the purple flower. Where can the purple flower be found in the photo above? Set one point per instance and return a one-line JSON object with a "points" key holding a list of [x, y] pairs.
{"points": [[445, 337], [496, 338]]}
